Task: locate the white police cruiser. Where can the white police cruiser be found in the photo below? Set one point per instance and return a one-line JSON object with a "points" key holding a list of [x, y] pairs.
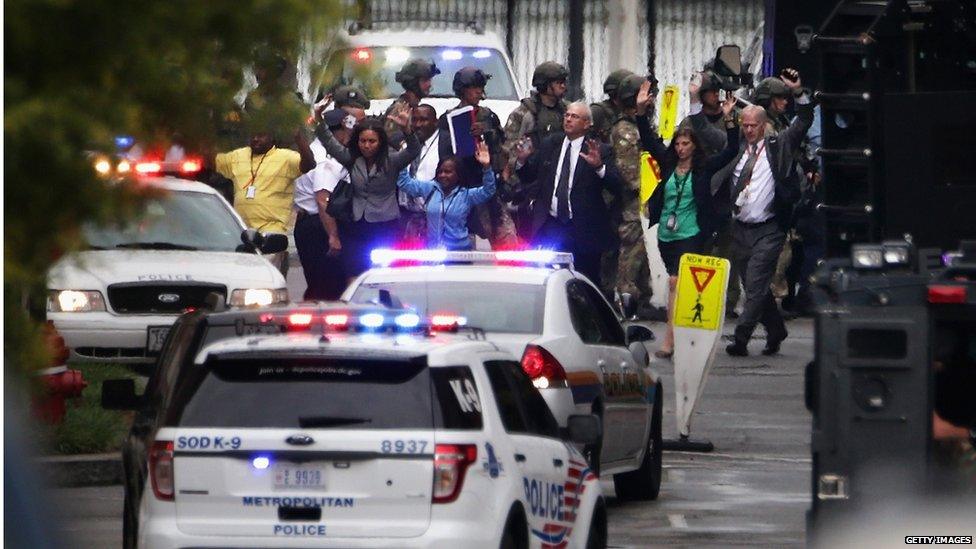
{"points": [[571, 342], [384, 51], [319, 438], [116, 301]]}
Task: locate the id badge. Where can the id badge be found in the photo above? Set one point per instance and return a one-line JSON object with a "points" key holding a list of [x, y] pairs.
{"points": [[251, 191], [672, 223]]}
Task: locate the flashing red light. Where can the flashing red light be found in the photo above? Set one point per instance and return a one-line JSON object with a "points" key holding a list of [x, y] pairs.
{"points": [[266, 318], [947, 294], [537, 363], [363, 55], [191, 166], [444, 322], [148, 167], [337, 321], [300, 320]]}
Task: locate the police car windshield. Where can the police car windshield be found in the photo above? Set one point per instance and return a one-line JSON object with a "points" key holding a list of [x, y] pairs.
{"points": [[180, 220], [382, 65], [493, 307]]}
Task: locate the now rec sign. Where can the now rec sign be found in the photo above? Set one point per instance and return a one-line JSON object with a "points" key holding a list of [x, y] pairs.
{"points": [[701, 288]]}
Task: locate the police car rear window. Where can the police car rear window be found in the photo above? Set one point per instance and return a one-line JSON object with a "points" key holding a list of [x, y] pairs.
{"points": [[309, 393], [493, 307], [329, 393]]}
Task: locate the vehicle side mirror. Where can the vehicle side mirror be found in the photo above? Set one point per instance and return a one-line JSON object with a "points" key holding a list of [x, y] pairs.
{"points": [[640, 354], [584, 429], [273, 243], [636, 332], [252, 239], [628, 305], [120, 394], [729, 60]]}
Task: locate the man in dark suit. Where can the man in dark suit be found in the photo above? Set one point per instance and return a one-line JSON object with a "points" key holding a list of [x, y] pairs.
{"points": [[763, 187], [569, 173]]}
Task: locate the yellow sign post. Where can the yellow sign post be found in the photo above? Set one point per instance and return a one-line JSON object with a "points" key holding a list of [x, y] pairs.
{"points": [[701, 291], [669, 111]]}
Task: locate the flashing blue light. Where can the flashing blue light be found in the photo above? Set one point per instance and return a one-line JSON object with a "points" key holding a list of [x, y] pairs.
{"points": [[372, 320], [481, 54], [407, 321], [451, 55], [124, 141], [261, 462]]}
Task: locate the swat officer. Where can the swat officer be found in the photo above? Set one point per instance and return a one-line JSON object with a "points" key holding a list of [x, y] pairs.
{"points": [[773, 95], [633, 272], [350, 96], [605, 112], [416, 76], [537, 117], [490, 220]]}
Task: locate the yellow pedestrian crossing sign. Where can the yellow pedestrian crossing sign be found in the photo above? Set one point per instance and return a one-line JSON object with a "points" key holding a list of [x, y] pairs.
{"points": [[702, 282], [669, 111]]}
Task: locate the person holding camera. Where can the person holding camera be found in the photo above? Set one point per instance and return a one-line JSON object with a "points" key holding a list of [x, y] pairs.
{"points": [[763, 189], [682, 206]]}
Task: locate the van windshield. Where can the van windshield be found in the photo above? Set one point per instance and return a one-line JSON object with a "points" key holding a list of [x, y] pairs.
{"points": [[378, 67]]}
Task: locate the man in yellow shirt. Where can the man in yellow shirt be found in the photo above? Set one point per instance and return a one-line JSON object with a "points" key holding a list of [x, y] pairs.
{"points": [[264, 179]]}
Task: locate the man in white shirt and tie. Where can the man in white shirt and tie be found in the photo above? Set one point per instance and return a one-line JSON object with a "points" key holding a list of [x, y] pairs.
{"points": [[764, 186], [568, 175]]}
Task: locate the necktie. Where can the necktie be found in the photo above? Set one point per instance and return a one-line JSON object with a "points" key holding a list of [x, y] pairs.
{"points": [[562, 188], [746, 175]]}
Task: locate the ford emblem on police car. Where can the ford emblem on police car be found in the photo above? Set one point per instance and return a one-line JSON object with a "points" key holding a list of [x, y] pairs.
{"points": [[168, 298], [299, 440]]}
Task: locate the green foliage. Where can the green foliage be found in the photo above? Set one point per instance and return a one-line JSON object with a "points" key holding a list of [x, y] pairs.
{"points": [[80, 72]]}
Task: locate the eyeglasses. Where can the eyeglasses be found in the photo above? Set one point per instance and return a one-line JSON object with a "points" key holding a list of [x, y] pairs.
{"points": [[573, 116]]}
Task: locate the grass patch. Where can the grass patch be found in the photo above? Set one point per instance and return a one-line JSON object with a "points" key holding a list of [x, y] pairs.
{"points": [[87, 427]]}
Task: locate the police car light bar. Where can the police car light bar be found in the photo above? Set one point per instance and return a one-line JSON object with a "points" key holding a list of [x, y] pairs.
{"points": [[386, 257]]}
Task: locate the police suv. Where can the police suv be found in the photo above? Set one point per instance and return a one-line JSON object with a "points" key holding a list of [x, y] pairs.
{"points": [[346, 426], [572, 343], [116, 300]]}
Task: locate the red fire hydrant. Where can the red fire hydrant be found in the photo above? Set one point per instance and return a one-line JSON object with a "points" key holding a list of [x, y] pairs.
{"points": [[59, 383]]}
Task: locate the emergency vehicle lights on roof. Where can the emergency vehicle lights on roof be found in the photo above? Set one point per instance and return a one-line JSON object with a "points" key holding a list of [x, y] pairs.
{"points": [[398, 321], [386, 257]]}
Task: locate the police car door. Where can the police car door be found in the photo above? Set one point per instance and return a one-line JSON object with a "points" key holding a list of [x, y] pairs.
{"points": [[541, 458], [270, 446]]}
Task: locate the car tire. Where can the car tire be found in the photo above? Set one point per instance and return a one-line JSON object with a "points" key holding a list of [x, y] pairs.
{"points": [[644, 483], [516, 533], [597, 538]]}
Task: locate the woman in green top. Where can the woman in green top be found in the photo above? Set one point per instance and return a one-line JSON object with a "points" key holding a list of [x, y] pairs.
{"points": [[682, 206]]}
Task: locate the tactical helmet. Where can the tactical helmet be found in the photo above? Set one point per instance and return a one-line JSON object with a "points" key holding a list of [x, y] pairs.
{"points": [[469, 77], [613, 81], [350, 96], [710, 82], [769, 88], [628, 88], [413, 71], [547, 72]]}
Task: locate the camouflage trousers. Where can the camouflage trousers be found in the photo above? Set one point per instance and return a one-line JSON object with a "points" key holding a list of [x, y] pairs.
{"points": [[497, 223], [633, 272]]}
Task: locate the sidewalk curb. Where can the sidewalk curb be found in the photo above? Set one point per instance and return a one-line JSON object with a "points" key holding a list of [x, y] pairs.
{"points": [[82, 470]]}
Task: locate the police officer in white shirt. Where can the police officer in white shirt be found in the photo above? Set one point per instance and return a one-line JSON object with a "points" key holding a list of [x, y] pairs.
{"points": [[316, 232], [763, 187]]}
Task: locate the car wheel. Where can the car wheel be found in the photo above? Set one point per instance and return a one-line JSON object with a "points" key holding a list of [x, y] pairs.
{"points": [[130, 523], [516, 534], [598, 528], [645, 482]]}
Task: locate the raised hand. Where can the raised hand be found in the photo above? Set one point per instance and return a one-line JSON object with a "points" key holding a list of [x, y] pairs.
{"points": [[644, 98], [791, 77], [729, 104], [525, 150], [592, 156], [403, 119], [694, 86], [481, 153]]}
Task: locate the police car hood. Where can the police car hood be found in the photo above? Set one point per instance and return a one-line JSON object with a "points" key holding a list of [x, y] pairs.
{"points": [[501, 107], [96, 269]]}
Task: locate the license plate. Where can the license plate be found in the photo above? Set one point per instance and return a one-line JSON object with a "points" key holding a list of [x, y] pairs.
{"points": [[155, 336], [299, 476]]}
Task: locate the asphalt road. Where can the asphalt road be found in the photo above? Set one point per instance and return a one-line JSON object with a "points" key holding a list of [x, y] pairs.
{"points": [[752, 490]]}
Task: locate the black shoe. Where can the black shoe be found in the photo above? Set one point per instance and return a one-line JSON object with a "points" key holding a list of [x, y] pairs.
{"points": [[772, 346], [731, 315], [737, 349]]}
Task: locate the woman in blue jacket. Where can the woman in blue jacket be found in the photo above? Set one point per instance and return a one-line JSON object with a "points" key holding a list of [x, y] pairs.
{"points": [[681, 206], [448, 204]]}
